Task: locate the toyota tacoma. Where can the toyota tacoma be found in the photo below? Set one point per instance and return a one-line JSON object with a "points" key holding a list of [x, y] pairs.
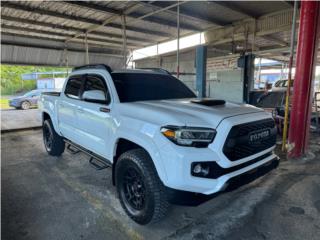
{"points": [[155, 134]]}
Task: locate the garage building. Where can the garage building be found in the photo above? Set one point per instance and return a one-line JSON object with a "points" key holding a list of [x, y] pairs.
{"points": [[216, 48]]}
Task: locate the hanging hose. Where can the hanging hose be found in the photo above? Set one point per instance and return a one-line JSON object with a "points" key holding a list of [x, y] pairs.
{"points": [[286, 115]]}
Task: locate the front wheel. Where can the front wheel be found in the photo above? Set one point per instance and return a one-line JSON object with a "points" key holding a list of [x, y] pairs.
{"points": [[53, 143], [25, 105], [141, 192]]}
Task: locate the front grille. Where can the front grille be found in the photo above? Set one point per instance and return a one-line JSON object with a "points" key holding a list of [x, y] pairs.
{"points": [[238, 143]]}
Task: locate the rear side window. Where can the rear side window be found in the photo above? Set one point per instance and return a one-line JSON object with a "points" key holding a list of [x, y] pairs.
{"points": [[73, 87]]}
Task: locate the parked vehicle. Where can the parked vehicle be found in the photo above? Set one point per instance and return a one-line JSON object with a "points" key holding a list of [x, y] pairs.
{"points": [[274, 102], [156, 135], [28, 100], [281, 85]]}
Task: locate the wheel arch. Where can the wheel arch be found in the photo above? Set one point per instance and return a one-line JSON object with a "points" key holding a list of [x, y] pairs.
{"points": [[124, 144], [46, 115]]}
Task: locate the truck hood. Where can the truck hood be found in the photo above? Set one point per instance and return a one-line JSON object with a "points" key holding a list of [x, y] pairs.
{"points": [[183, 112]]}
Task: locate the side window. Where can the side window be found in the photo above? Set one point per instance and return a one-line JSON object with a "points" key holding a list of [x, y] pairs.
{"points": [[73, 87], [284, 83], [96, 82], [278, 84]]}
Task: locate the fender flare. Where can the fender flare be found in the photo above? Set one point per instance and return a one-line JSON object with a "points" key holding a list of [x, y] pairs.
{"points": [[148, 145], [54, 122]]}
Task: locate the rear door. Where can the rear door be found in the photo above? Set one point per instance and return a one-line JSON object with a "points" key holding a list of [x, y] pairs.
{"points": [[95, 118], [67, 108]]}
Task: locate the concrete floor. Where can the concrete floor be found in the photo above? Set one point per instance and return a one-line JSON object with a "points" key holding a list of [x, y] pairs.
{"points": [[64, 198], [19, 119]]}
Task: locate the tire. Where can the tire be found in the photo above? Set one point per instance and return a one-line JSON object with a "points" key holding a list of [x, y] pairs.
{"points": [[143, 197], [25, 105], [53, 143]]}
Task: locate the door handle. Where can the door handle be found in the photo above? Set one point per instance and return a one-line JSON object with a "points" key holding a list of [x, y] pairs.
{"points": [[103, 109]]}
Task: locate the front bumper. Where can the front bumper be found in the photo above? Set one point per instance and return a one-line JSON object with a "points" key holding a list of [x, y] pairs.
{"points": [[178, 161], [180, 177], [14, 104]]}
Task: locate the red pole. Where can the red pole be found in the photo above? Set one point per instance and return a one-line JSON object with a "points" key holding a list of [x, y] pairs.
{"points": [[303, 81]]}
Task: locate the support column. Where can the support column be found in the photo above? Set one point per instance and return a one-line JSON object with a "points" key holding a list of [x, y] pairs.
{"points": [[303, 81], [178, 41], [124, 36], [201, 70], [87, 49], [248, 76]]}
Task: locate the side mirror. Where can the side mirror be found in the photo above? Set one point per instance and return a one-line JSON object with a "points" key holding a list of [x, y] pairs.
{"points": [[97, 96]]}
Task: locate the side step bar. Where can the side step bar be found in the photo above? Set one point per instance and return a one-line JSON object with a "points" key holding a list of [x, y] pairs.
{"points": [[72, 149], [96, 161]]}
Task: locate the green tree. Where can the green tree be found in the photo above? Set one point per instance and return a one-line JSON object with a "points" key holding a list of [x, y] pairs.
{"points": [[11, 81]]}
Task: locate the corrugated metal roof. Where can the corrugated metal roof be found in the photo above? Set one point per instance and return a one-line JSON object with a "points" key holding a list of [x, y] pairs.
{"points": [[146, 24]]}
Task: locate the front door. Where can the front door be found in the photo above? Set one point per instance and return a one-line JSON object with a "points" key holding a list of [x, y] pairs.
{"points": [[95, 118]]}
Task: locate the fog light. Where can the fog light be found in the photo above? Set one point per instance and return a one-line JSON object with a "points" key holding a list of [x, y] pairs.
{"points": [[198, 169]]}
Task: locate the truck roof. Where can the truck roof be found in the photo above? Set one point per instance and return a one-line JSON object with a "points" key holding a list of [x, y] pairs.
{"points": [[144, 71], [108, 69]]}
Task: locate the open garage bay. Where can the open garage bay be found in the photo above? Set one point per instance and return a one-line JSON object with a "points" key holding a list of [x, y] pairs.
{"points": [[47, 197]]}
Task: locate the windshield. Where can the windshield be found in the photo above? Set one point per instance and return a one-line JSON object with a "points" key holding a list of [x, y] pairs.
{"points": [[271, 100], [133, 87]]}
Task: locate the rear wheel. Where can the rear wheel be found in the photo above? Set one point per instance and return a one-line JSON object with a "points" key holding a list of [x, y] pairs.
{"points": [[53, 143], [25, 105], [141, 192]]}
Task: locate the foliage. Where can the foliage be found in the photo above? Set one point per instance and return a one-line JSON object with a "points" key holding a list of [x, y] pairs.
{"points": [[4, 103], [11, 82]]}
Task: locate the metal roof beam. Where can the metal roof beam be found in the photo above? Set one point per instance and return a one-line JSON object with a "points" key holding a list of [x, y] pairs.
{"points": [[230, 6], [58, 38], [188, 14], [72, 29], [276, 40], [135, 15], [58, 48], [238, 30], [79, 19], [170, 11], [126, 11], [24, 29], [250, 14]]}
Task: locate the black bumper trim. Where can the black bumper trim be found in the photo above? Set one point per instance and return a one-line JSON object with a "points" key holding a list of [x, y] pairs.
{"points": [[215, 171], [251, 175]]}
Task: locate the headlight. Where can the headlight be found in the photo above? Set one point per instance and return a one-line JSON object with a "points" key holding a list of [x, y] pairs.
{"points": [[189, 136]]}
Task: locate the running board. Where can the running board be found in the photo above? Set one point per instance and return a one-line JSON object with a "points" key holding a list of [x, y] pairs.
{"points": [[72, 149], [98, 164], [96, 161]]}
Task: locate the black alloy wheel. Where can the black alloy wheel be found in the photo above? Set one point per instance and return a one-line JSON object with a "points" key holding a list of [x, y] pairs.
{"points": [[133, 190], [47, 137]]}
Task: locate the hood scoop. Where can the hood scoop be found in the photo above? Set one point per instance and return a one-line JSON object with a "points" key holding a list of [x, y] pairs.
{"points": [[208, 102]]}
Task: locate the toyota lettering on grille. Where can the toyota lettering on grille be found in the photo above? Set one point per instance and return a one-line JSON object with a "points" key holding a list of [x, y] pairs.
{"points": [[257, 136]]}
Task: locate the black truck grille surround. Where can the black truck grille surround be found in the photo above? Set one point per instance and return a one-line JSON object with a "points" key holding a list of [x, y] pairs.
{"points": [[238, 144]]}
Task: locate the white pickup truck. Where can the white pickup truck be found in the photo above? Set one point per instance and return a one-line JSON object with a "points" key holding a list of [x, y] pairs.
{"points": [[155, 134]]}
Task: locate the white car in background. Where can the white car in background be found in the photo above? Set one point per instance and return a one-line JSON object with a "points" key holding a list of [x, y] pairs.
{"points": [[281, 85]]}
